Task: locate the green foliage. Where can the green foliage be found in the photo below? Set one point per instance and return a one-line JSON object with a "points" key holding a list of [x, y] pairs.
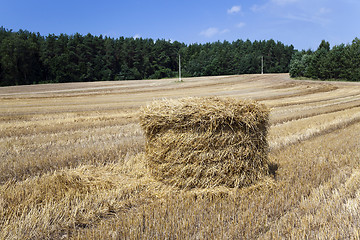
{"points": [[28, 58], [20, 57], [340, 62], [297, 65]]}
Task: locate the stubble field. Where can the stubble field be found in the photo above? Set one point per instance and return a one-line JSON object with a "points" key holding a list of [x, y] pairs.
{"points": [[72, 164]]}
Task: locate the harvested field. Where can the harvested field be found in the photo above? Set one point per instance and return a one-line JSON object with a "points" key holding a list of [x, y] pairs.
{"points": [[73, 165]]}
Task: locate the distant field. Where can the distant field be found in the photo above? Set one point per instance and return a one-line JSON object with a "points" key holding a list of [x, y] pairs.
{"points": [[72, 164]]}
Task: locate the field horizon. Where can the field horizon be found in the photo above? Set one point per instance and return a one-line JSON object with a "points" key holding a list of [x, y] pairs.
{"points": [[72, 163]]}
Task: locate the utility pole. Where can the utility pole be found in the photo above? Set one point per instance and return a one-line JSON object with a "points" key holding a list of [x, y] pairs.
{"points": [[262, 64], [180, 69]]}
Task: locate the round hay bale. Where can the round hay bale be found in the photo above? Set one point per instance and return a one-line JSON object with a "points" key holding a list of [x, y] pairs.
{"points": [[206, 142]]}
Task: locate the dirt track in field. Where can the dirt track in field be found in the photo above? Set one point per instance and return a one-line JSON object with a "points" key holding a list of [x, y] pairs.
{"points": [[275, 90]]}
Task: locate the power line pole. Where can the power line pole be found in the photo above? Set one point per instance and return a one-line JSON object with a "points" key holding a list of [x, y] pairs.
{"points": [[262, 64], [180, 69]]}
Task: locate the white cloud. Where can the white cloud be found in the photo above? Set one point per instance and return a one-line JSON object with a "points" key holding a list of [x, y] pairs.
{"points": [[240, 25], [324, 10], [257, 8], [210, 32], [308, 18], [271, 4], [295, 10], [234, 9], [136, 36], [283, 2], [302, 18]]}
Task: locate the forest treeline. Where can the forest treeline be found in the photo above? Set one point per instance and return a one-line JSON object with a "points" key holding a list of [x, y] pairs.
{"points": [[341, 62], [29, 58]]}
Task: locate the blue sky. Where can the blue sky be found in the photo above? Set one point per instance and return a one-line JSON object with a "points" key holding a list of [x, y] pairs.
{"points": [[303, 23]]}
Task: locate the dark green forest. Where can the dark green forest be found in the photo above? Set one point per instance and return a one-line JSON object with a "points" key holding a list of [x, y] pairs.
{"points": [[341, 62], [29, 58]]}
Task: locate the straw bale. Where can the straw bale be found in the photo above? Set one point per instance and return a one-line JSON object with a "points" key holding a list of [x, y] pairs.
{"points": [[206, 142]]}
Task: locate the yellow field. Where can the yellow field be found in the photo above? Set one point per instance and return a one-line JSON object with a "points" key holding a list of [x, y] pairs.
{"points": [[72, 164]]}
